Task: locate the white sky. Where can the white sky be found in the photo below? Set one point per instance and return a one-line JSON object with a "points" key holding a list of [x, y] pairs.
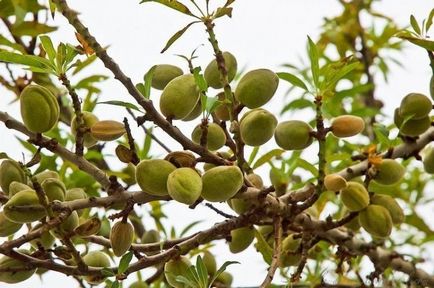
{"points": [[261, 34]]}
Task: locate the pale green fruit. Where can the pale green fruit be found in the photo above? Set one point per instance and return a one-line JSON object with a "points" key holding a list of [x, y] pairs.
{"points": [[10, 171], [428, 160], [14, 277], [107, 130], [389, 172], [257, 87], [184, 185], [70, 223], [121, 237], [391, 205], [151, 236], [24, 207], [225, 278], [223, 110], [289, 255], [46, 240], [7, 227], [376, 220], [89, 120], [241, 238], [216, 137], [257, 127], [139, 284], [151, 175], [176, 267], [47, 174], [412, 127], [347, 126], [334, 182], [163, 74], [415, 105], [16, 187], [96, 259], [130, 171], [179, 97], [240, 205], [223, 154], [355, 196], [354, 224], [255, 180], [210, 263], [39, 108], [54, 189], [75, 194], [105, 228], [212, 73], [221, 183], [293, 135], [181, 158], [279, 181], [197, 111]]}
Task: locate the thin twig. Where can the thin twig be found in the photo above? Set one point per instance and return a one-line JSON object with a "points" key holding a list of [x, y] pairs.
{"points": [[276, 252]]}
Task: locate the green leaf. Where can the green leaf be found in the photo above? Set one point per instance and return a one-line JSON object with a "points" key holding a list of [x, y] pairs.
{"points": [[124, 262], [307, 166], [80, 65], [300, 103], [189, 227], [223, 11], [6, 42], [202, 271], [291, 78], [88, 81], [341, 73], [314, 61], [211, 104], [61, 55], [28, 60], [176, 36], [429, 20], [263, 247], [48, 47], [172, 4], [115, 284], [267, 157], [415, 25], [424, 43], [415, 220], [200, 80], [141, 88], [122, 104], [30, 28], [52, 8], [184, 280], [148, 81], [221, 270], [253, 154], [107, 272]]}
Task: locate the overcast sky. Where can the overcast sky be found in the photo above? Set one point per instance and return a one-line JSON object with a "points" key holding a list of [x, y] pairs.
{"points": [[261, 34]]}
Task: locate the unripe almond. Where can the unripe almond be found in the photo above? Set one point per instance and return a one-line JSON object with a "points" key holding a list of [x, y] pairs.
{"points": [[89, 120], [255, 180], [412, 127], [96, 259], [347, 126], [257, 87], [196, 112], [293, 135], [163, 74], [70, 223], [176, 267], [428, 160], [289, 252], [240, 205], [24, 207], [11, 263], [89, 227], [107, 130], [7, 227], [210, 263], [47, 174], [376, 220], [54, 189], [10, 171], [391, 205], [334, 182], [257, 127], [355, 196], [225, 278], [121, 237], [46, 240], [415, 105], [389, 172], [16, 187], [221, 183], [216, 137], [241, 238], [181, 158], [212, 73], [151, 175], [184, 185], [39, 108], [222, 111], [151, 236]]}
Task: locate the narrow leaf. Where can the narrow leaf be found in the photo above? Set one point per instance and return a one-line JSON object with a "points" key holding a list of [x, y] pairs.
{"points": [[429, 20], [224, 11], [148, 81], [291, 78], [253, 154], [48, 47], [121, 103], [29, 60], [176, 36], [201, 271], [125, 261], [222, 269], [415, 25], [178, 6], [314, 61], [30, 28], [267, 157], [263, 247]]}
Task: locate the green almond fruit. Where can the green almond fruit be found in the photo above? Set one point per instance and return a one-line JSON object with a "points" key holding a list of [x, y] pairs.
{"points": [[105, 228], [221, 183], [415, 105], [46, 240], [47, 174], [347, 126], [279, 181], [107, 130], [257, 87], [10, 171], [8, 227], [391, 205], [39, 108], [179, 97], [152, 174], [16, 187], [257, 127], [96, 259], [354, 224], [428, 161], [223, 154], [293, 135], [70, 223], [212, 73], [151, 236], [289, 255], [176, 267], [75, 194], [412, 127], [225, 278], [389, 172], [355, 196], [255, 180], [15, 277], [139, 284], [241, 238], [223, 110], [210, 263], [24, 207], [197, 111], [121, 237], [184, 185], [334, 182], [163, 74], [240, 205], [216, 136], [54, 189], [376, 220], [89, 120], [181, 158], [130, 172]]}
